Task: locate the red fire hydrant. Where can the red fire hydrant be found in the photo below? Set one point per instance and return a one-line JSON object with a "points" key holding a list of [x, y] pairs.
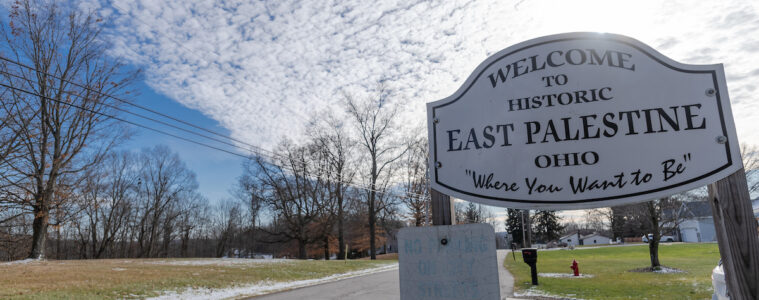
{"points": [[575, 267]]}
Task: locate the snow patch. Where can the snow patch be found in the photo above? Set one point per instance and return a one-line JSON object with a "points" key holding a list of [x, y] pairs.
{"points": [[20, 262], [665, 270], [219, 262], [564, 275], [535, 292], [265, 287], [118, 269]]}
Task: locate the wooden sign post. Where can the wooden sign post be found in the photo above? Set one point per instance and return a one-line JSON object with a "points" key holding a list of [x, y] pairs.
{"points": [[443, 209], [736, 234]]}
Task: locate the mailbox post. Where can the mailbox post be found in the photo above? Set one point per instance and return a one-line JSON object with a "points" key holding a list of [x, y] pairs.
{"points": [[530, 257]]}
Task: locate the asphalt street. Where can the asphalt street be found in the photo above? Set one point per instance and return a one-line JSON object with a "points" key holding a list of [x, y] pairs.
{"points": [[377, 286]]}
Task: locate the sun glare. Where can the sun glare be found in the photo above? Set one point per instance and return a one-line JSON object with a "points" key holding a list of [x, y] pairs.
{"points": [[636, 19]]}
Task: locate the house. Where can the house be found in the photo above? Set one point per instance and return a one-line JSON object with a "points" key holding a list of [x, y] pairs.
{"points": [[696, 222], [595, 239], [572, 239]]}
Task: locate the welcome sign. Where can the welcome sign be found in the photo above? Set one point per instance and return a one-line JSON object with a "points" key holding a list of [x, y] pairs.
{"points": [[581, 120]]}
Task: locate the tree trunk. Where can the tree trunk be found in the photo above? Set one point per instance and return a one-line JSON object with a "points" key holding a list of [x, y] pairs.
{"points": [[653, 242], [372, 226], [653, 251], [252, 242], [326, 247], [221, 245], [185, 242], [166, 239], [39, 236], [372, 197], [58, 242], [340, 236], [302, 250]]}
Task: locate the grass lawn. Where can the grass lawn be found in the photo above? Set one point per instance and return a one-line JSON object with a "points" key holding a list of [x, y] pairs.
{"points": [[139, 278], [609, 267]]}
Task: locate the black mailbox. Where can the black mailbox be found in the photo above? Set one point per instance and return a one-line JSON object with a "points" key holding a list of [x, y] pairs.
{"points": [[530, 256]]}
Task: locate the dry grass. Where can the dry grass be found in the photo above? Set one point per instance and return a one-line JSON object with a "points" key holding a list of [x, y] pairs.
{"points": [[138, 278], [389, 256]]}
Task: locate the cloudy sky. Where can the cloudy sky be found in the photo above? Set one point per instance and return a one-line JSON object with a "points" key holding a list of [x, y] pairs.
{"points": [[261, 69]]}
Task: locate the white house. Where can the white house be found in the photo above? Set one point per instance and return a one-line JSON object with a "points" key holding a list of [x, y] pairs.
{"points": [[572, 239], [696, 223], [575, 239], [595, 239]]}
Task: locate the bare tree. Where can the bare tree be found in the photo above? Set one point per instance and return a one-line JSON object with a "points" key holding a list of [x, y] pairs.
{"points": [[107, 198], [375, 121], [750, 154], [295, 190], [193, 216], [164, 181], [663, 217], [225, 225], [416, 183], [595, 219], [61, 97], [10, 133], [249, 191], [332, 139]]}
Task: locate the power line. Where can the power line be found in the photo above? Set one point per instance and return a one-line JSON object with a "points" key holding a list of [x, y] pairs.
{"points": [[135, 105], [192, 141], [121, 120], [143, 117], [191, 51]]}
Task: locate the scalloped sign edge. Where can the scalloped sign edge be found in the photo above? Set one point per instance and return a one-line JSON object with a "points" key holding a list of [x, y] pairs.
{"points": [[578, 201]]}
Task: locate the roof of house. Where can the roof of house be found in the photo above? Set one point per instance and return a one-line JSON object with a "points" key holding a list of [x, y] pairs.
{"points": [[696, 209], [568, 236], [594, 234]]}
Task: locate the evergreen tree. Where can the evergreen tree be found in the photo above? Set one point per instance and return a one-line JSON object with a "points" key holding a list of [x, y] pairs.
{"points": [[546, 226], [473, 214], [514, 224]]}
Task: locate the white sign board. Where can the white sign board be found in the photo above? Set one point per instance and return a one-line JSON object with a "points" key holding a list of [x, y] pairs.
{"points": [[581, 120], [448, 262]]}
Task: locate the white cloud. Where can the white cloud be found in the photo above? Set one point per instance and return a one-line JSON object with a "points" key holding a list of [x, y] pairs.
{"points": [[260, 68]]}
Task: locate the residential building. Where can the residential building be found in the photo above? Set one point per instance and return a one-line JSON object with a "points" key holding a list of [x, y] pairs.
{"points": [[595, 239], [696, 222]]}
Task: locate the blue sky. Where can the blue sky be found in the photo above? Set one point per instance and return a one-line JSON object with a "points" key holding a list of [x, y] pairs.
{"points": [[216, 171], [262, 69], [258, 70]]}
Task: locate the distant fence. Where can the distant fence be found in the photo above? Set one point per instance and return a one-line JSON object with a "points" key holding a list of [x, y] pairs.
{"points": [[633, 239]]}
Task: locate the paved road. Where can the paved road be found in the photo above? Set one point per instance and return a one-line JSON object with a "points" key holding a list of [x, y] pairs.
{"points": [[378, 286]]}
